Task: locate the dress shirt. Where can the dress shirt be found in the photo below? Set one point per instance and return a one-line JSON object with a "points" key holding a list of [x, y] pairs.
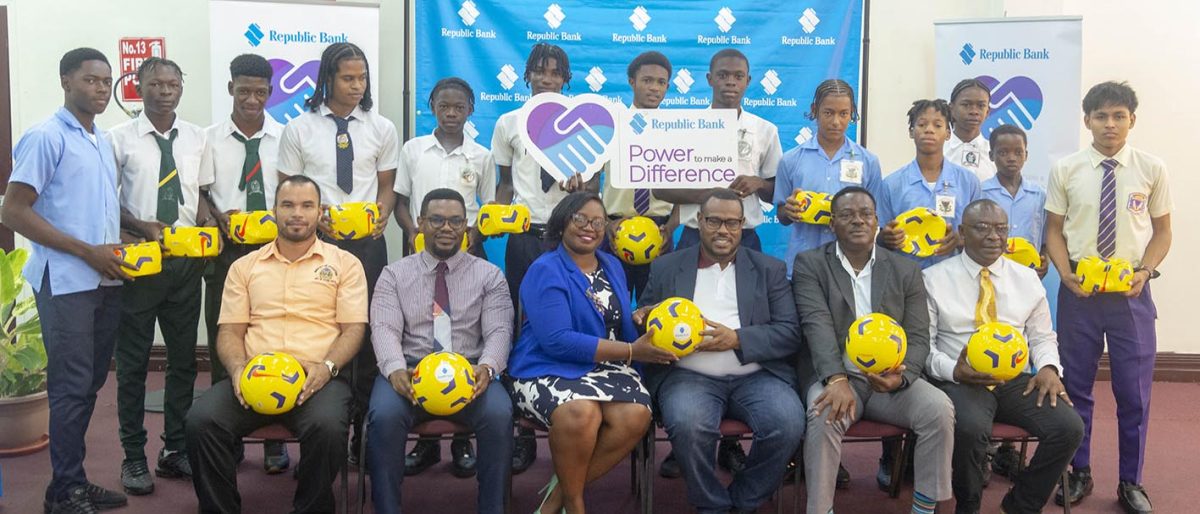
{"points": [[307, 148], [906, 188], [1026, 210], [139, 159], [74, 175], [425, 165], [481, 311], [953, 287], [716, 296], [224, 157], [1142, 194], [861, 283], [759, 153], [974, 155]]}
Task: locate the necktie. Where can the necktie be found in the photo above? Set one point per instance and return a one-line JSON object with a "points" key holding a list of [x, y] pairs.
{"points": [[252, 178], [345, 153], [985, 308], [441, 309], [1106, 239], [170, 190], [547, 181], [641, 200]]}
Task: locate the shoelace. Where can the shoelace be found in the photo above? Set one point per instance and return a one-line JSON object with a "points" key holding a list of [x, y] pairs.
{"points": [[136, 468]]}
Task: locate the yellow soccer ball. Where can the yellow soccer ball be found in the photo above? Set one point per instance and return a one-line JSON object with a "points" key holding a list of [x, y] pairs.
{"points": [[922, 228], [637, 240], [677, 324], [443, 383], [271, 382], [503, 219], [815, 208], [999, 350], [419, 243], [1100, 275], [252, 227], [876, 343], [146, 258], [353, 220], [190, 241], [1021, 251]]}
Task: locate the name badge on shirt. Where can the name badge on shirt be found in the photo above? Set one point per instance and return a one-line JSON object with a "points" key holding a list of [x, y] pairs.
{"points": [[852, 171], [971, 159], [467, 175], [943, 205]]}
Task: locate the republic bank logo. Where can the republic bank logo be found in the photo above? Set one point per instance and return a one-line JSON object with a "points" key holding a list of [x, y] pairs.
{"points": [[725, 19], [554, 16], [640, 18], [254, 34], [507, 76], [470, 130], [595, 79], [468, 13], [1016, 101], [967, 54], [809, 20], [683, 81], [638, 123], [770, 82], [803, 136]]}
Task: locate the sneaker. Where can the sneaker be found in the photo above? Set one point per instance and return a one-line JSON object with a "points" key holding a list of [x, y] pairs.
{"points": [[670, 467], [424, 454], [524, 451], [104, 499], [275, 457], [173, 464], [76, 502], [135, 478], [730, 456], [1007, 461], [462, 463], [843, 478]]}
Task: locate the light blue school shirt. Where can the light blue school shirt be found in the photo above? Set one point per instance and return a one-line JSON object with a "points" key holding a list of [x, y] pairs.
{"points": [[1026, 211], [905, 189]]}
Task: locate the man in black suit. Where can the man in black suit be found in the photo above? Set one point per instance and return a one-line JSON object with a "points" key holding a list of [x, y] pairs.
{"points": [[742, 369], [834, 285]]}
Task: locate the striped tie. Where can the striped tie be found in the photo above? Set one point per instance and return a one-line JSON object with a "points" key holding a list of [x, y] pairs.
{"points": [[641, 200], [1106, 240]]}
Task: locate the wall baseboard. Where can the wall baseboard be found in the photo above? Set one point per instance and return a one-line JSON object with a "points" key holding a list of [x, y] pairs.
{"points": [[1168, 366]]}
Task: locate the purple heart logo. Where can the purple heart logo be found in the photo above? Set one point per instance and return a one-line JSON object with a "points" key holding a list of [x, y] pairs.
{"points": [[569, 136]]}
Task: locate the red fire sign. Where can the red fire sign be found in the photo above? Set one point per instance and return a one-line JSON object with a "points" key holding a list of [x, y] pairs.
{"points": [[133, 51]]}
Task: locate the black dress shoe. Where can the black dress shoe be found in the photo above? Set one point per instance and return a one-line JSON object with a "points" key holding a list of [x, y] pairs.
{"points": [[731, 457], [843, 477], [524, 451], [1079, 484], [463, 458], [424, 454], [670, 467], [1134, 499], [275, 457], [1007, 461]]}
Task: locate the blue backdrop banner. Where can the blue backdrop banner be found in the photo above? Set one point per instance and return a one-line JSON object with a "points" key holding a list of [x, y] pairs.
{"points": [[791, 45]]}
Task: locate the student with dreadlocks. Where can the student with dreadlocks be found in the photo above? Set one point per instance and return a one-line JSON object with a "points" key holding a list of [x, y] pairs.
{"points": [[523, 181], [158, 161], [445, 159], [352, 152], [969, 105], [930, 180], [239, 157]]}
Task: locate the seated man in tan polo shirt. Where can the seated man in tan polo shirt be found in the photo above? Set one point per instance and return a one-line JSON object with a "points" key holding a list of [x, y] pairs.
{"points": [[301, 296]]}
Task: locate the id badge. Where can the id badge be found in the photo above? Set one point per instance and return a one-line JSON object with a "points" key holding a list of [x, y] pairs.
{"points": [[944, 205], [852, 172]]}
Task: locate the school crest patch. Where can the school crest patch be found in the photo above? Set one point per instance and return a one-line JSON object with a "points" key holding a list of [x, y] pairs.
{"points": [[325, 273], [1136, 203]]}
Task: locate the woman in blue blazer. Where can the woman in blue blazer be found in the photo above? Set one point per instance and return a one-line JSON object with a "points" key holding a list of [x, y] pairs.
{"points": [[572, 368]]}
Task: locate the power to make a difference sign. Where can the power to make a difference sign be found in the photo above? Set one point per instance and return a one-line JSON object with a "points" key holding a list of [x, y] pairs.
{"points": [[676, 148]]}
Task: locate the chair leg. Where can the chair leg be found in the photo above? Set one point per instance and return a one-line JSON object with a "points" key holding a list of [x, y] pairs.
{"points": [[899, 454], [1066, 480], [1024, 449], [362, 471], [796, 479], [648, 471]]}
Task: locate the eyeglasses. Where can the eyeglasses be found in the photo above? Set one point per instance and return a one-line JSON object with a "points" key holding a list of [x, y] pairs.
{"points": [[1001, 229], [456, 222], [582, 221], [848, 215], [732, 224]]}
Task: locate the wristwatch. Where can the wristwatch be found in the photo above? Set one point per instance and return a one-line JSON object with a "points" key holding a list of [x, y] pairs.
{"points": [[333, 369], [1152, 272], [491, 372]]}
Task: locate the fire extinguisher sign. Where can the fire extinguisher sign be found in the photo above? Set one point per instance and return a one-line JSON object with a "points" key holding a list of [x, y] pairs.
{"points": [[135, 50]]}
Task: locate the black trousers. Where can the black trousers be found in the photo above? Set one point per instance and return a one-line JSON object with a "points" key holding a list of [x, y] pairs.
{"points": [[520, 253], [216, 422], [214, 287], [172, 299], [372, 253], [1058, 429]]}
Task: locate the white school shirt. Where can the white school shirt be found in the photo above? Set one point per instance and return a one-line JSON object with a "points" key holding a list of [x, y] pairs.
{"points": [[308, 147], [509, 150], [224, 157], [759, 153], [138, 158], [953, 287], [425, 165], [716, 296], [974, 155]]}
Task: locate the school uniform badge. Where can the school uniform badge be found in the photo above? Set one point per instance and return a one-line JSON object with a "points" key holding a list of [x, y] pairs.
{"points": [[343, 141], [325, 273], [1136, 203]]}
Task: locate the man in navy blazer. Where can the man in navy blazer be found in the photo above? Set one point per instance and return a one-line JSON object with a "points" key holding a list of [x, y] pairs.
{"points": [[743, 369]]}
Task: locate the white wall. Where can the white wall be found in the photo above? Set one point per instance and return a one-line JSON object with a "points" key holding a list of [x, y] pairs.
{"points": [[1151, 48]]}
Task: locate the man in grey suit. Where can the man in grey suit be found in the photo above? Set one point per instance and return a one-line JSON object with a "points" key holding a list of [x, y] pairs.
{"points": [[834, 285], [742, 369]]}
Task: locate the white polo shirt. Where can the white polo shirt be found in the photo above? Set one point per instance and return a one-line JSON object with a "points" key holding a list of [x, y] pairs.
{"points": [[138, 158], [224, 157], [972, 155], [508, 150], [1142, 194], [308, 147], [425, 165], [759, 153], [716, 296]]}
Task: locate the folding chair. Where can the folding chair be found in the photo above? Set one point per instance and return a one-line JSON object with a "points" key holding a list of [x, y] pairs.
{"points": [[1005, 432]]}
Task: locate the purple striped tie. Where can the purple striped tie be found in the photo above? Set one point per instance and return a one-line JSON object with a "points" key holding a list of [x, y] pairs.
{"points": [[641, 200], [1106, 240]]}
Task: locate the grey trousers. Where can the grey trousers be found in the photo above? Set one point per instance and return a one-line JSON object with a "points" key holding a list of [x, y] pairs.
{"points": [[921, 407]]}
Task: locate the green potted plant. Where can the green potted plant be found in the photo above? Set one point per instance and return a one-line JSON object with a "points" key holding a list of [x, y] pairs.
{"points": [[24, 407]]}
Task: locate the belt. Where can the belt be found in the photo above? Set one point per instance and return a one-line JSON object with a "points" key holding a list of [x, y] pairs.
{"points": [[658, 220], [537, 230]]}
